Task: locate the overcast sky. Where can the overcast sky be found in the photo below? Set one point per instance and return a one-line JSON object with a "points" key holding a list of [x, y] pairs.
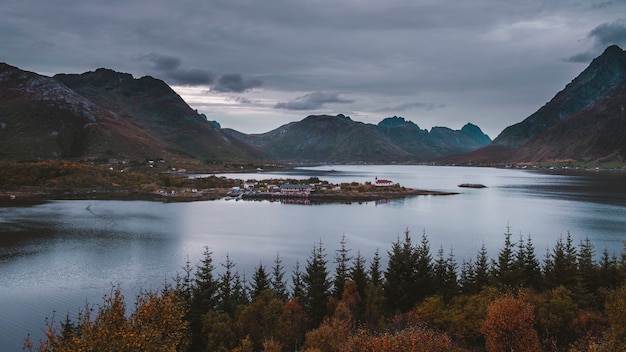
{"points": [[254, 65]]}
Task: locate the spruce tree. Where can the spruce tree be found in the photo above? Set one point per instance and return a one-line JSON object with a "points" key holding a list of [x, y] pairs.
{"points": [[342, 261], [482, 274], [203, 299], [297, 290], [375, 274], [260, 282], [316, 285], [358, 274], [503, 272], [278, 282]]}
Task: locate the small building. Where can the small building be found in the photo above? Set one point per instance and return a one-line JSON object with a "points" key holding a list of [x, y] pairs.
{"points": [[290, 189], [383, 182]]}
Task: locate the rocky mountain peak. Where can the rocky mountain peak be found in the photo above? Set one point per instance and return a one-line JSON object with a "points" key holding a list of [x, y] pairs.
{"points": [[603, 75]]}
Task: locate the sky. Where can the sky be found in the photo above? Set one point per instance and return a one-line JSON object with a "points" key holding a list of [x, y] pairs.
{"points": [[254, 65]]}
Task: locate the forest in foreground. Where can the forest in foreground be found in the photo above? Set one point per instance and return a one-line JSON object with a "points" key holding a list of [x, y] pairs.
{"points": [[419, 301]]}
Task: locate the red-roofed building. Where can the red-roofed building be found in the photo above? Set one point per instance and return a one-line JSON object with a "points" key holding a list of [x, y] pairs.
{"points": [[383, 182]]}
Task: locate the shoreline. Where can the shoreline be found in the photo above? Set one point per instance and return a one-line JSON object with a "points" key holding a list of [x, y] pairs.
{"points": [[25, 198]]}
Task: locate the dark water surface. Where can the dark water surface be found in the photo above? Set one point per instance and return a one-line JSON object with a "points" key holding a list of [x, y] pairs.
{"points": [[57, 256]]}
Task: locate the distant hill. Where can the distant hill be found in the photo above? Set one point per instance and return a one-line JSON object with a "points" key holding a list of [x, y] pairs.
{"points": [[326, 138], [583, 122], [105, 114]]}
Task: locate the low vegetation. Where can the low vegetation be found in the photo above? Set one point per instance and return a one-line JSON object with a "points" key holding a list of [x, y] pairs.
{"points": [[569, 301]]}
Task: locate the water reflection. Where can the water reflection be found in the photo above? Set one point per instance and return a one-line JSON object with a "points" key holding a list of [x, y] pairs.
{"points": [[55, 256]]}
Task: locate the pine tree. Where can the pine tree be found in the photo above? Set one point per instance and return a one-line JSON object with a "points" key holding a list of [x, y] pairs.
{"points": [[482, 274], [467, 280], [503, 273], [317, 285], [408, 277], [532, 269], [297, 291], [375, 274], [203, 299], [342, 261], [226, 281], [423, 270], [260, 282], [561, 264], [587, 281], [358, 274], [278, 282]]}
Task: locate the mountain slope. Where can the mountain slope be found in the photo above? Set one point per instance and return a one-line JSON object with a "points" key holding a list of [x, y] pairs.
{"points": [[583, 122], [602, 76], [594, 134], [105, 114], [325, 138]]}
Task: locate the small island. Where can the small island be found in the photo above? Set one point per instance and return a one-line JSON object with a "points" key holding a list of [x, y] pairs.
{"points": [[472, 185], [23, 184]]}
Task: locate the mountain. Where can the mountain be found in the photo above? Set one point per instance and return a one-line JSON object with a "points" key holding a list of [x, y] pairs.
{"points": [[105, 114], [583, 122], [326, 138]]}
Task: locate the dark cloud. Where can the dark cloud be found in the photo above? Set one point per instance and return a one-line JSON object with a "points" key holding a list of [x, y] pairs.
{"points": [[604, 35], [312, 101], [168, 68], [234, 83], [411, 106]]}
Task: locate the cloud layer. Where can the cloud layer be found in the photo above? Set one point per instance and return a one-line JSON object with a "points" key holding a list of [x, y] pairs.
{"points": [[490, 62]]}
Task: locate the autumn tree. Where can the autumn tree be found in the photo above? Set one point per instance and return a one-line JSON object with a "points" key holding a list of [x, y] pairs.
{"points": [[157, 324], [509, 326]]}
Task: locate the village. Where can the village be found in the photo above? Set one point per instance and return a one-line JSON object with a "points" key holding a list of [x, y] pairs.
{"points": [[318, 190]]}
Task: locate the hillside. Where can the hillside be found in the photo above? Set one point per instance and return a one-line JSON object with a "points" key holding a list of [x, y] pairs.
{"points": [[325, 138], [583, 122], [105, 114]]}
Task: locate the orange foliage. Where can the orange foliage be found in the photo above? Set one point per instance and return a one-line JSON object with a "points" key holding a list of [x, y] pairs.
{"points": [[510, 326], [156, 325], [408, 340]]}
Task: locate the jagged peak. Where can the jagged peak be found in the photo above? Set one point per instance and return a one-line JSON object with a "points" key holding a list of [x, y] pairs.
{"points": [[396, 121]]}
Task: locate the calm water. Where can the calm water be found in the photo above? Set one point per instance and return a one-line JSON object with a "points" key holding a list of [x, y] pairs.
{"points": [[59, 255]]}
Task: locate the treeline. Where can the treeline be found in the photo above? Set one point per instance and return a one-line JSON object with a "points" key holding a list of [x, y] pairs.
{"points": [[419, 301]]}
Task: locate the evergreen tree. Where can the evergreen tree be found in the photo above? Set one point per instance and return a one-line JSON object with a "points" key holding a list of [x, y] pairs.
{"points": [[587, 273], [423, 270], [240, 291], [408, 277], [440, 270], [561, 264], [278, 282], [260, 282], [467, 280], [375, 274], [226, 302], [482, 274], [204, 288], [342, 261], [503, 272], [203, 299], [297, 291], [358, 274], [532, 269], [316, 285]]}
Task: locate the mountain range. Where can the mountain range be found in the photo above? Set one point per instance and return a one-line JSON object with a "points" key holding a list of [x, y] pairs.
{"points": [[106, 114], [325, 138], [111, 115]]}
